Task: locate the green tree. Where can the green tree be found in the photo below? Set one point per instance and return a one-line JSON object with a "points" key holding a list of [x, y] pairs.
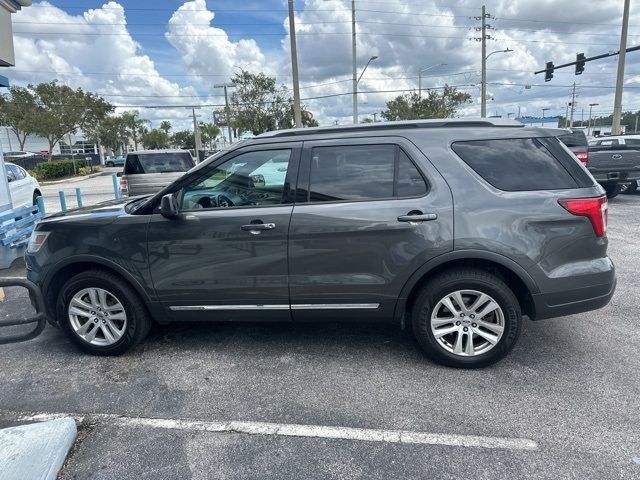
{"points": [[135, 126], [434, 105], [258, 104], [209, 132], [184, 139], [18, 112], [113, 133], [155, 139], [62, 111], [165, 126]]}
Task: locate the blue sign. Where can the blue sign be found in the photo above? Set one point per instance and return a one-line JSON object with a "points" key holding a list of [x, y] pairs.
{"points": [[4, 81]]}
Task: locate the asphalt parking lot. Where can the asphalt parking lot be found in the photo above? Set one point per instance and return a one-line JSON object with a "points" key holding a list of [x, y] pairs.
{"points": [[564, 404]]}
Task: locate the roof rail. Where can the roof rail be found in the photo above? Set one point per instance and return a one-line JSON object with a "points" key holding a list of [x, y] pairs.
{"points": [[410, 124]]}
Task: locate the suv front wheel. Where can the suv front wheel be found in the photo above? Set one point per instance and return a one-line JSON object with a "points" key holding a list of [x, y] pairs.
{"points": [[466, 318], [101, 314]]}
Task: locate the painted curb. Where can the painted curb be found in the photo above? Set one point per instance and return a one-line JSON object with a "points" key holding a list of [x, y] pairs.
{"points": [[37, 450]]}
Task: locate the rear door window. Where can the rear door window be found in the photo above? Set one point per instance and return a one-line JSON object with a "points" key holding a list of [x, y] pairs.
{"points": [[363, 172], [519, 164]]}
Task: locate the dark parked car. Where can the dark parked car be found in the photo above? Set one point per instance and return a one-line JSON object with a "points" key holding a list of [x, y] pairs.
{"points": [[148, 171], [453, 228], [615, 163]]}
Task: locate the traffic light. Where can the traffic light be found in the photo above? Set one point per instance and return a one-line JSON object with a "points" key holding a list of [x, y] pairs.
{"points": [[548, 74], [580, 61]]}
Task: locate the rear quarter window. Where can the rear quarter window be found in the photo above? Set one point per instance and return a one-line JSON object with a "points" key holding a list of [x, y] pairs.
{"points": [[513, 165]]}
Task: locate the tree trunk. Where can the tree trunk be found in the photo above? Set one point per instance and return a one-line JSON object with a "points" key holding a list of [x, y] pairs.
{"points": [[52, 143]]}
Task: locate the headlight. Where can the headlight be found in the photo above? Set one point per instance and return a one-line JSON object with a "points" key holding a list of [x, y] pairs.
{"points": [[36, 241]]}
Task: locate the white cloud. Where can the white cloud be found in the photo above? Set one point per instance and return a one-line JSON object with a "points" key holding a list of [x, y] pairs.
{"points": [[416, 35], [74, 47]]}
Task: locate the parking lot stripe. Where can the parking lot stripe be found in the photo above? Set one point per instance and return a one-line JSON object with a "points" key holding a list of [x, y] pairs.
{"points": [[290, 430]]}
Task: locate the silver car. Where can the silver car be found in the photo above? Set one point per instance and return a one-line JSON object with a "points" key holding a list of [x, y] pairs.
{"points": [[148, 171]]}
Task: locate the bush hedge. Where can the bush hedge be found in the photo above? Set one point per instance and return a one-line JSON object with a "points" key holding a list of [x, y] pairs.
{"points": [[57, 169]]}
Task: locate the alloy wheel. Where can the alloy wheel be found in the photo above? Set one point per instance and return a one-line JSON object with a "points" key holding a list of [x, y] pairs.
{"points": [[97, 316], [467, 323]]}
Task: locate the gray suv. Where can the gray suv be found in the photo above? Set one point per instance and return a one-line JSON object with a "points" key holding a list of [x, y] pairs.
{"points": [[453, 228]]}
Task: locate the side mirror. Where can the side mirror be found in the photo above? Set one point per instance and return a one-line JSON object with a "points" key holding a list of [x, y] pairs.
{"points": [[119, 174], [169, 206]]}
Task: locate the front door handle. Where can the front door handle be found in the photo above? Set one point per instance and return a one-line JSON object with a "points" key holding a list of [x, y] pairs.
{"points": [[418, 217], [617, 156], [256, 228]]}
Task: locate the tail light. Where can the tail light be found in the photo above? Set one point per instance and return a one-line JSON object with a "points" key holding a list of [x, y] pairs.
{"points": [[583, 157], [595, 209], [124, 187]]}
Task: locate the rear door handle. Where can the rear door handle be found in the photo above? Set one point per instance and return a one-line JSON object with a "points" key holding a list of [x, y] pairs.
{"points": [[423, 217], [256, 228], [617, 156]]}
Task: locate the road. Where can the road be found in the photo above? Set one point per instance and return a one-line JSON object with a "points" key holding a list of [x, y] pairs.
{"points": [[94, 190], [564, 404]]}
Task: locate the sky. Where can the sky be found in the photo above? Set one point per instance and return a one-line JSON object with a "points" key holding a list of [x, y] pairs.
{"points": [[161, 57]]}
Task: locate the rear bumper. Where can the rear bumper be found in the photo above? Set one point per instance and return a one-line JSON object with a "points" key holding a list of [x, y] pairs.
{"points": [[570, 302], [618, 176]]}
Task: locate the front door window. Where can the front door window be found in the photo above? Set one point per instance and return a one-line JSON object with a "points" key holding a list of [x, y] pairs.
{"points": [[249, 179]]}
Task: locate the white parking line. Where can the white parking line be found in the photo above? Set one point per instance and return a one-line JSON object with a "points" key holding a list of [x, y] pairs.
{"points": [[291, 430]]}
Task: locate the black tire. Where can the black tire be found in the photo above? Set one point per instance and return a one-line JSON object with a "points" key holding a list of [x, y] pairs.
{"points": [[138, 321], [110, 164], [465, 279], [612, 189], [631, 188], [36, 194]]}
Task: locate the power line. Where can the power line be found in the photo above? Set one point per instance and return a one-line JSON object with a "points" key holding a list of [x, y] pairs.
{"points": [[261, 34]]}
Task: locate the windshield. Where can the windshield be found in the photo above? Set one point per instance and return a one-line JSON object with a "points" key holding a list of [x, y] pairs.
{"points": [[576, 138], [161, 162]]}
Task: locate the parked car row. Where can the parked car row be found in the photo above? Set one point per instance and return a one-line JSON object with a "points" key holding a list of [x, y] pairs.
{"points": [[455, 229]]}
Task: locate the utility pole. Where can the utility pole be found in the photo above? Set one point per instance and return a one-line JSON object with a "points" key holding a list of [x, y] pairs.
{"points": [[591, 105], [566, 117], [617, 104], [355, 68], [297, 112], [635, 130], [483, 104], [573, 104], [226, 105], [375, 115], [196, 134]]}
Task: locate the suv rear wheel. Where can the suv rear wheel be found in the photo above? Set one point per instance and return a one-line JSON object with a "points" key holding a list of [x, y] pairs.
{"points": [[466, 318], [101, 314]]}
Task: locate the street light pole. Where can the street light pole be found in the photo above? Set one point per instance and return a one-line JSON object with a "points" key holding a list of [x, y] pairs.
{"points": [[483, 103], [196, 134], [617, 104], [355, 68], [356, 85], [591, 105], [544, 110], [297, 111]]}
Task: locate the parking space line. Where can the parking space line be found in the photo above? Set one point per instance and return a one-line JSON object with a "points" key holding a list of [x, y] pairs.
{"points": [[291, 430]]}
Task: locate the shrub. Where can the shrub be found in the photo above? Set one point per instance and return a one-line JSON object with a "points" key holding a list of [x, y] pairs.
{"points": [[57, 169], [87, 170]]}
